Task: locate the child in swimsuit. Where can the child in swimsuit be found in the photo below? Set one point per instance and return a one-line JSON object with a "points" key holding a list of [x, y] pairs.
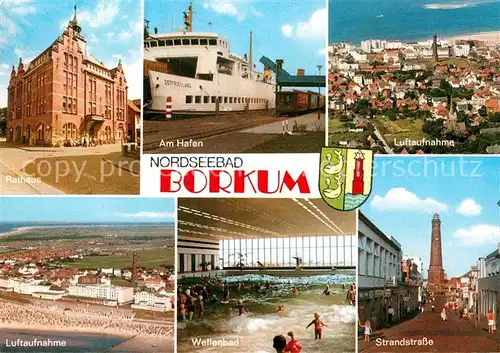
{"points": [[241, 308], [318, 324], [201, 306], [368, 330], [182, 313], [293, 346]]}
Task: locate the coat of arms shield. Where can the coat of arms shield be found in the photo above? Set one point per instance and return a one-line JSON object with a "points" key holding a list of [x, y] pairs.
{"points": [[345, 177]]}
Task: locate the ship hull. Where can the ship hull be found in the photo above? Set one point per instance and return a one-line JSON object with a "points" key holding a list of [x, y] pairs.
{"points": [[189, 95]]}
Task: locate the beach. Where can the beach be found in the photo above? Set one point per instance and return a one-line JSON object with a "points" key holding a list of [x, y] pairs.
{"points": [[493, 37], [56, 319]]}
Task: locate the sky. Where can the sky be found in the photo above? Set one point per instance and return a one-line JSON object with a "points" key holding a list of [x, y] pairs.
{"points": [[294, 31], [463, 190], [113, 30], [87, 209], [356, 20]]}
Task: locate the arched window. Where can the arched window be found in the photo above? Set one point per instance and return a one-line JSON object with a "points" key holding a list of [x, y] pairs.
{"points": [[40, 132], [69, 131], [108, 133], [19, 131], [120, 132]]}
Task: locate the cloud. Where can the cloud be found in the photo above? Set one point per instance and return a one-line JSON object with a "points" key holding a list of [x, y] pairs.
{"points": [[224, 7], [235, 8], [124, 35], [27, 55], [133, 74], [321, 51], [92, 38], [469, 207], [103, 14], [255, 12], [314, 29], [402, 199], [5, 70], [8, 27], [3, 95], [287, 30], [478, 234], [19, 7], [147, 215], [24, 10]]}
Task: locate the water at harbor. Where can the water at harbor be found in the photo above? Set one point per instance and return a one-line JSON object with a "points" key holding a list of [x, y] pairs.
{"points": [[75, 342], [257, 329]]}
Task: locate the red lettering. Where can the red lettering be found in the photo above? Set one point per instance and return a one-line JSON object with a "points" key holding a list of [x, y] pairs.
{"points": [[196, 181], [214, 181], [189, 181], [301, 182], [166, 180], [239, 181], [263, 182]]}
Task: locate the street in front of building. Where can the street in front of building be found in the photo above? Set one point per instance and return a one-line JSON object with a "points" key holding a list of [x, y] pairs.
{"points": [[74, 170], [456, 306], [70, 125], [431, 334]]}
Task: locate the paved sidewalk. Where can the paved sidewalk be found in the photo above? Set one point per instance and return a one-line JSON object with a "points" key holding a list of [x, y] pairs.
{"points": [[454, 335]]}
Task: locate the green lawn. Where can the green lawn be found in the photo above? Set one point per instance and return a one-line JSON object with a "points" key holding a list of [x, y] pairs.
{"points": [[334, 124], [335, 138], [400, 129], [145, 258]]}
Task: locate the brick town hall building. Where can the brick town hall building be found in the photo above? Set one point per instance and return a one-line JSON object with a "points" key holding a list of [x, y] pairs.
{"points": [[64, 96]]}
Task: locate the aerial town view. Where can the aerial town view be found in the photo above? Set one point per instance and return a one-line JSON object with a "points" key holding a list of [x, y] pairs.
{"points": [[89, 278], [428, 277], [69, 97], [231, 78], [417, 87], [282, 277]]}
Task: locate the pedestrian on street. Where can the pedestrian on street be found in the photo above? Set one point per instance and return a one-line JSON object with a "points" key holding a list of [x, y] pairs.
{"points": [[432, 307], [491, 322], [368, 330], [390, 312], [443, 315], [374, 320]]}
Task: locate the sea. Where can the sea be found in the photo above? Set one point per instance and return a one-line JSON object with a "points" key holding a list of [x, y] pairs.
{"points": [[75, 342], [410, 20], [9, 226]]}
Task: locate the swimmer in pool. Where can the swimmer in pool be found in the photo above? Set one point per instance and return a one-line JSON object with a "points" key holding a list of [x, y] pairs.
{"points": [[318, 326], [241, 308], [281, 308]]}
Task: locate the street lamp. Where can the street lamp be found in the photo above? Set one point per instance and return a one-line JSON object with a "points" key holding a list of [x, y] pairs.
{"points": [[319, 91]]}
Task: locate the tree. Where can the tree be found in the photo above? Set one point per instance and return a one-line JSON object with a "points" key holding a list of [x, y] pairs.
{"points": [[433, 128], [3, 121], [482, 111]]}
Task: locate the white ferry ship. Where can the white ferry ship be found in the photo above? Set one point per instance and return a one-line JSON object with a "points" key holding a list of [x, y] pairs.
{"points": [[197, 73]]}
